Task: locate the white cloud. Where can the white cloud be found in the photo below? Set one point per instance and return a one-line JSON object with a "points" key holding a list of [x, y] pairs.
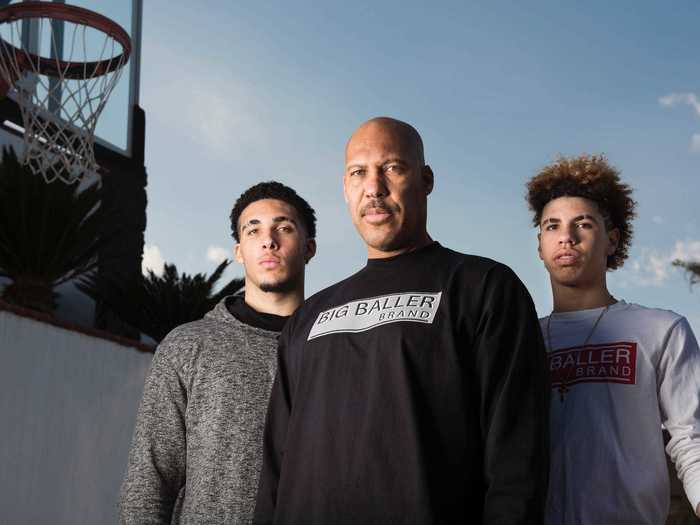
{"points": [[152, 260], [220, 123], [695, 143], [219, 113], [674, 99], [653, 267], [687, 251], [217, 254], [691, 100]]}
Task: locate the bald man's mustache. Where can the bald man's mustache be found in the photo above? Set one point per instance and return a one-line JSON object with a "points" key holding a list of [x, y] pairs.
{"points": [[379, 204]]}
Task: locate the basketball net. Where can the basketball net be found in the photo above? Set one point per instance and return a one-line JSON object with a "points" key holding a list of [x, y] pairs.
{"points": [[61, 97]]}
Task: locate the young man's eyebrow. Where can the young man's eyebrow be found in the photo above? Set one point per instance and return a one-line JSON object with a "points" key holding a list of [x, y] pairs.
{"points": [[279, 218], [251, 222], [585, 216], [283, 218]]}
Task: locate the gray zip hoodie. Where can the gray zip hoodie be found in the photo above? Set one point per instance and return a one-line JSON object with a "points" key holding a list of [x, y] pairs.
{"points": [[196, 452]]}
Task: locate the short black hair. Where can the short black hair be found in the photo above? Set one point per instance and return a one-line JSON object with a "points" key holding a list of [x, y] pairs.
{"points": [[274, 190]]}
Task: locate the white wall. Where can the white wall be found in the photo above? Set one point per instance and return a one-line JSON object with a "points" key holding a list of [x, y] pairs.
{"points": [[67, 407]]}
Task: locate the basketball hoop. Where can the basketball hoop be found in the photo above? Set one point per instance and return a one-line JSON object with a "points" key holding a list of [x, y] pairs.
{"points": [[61, 96]]}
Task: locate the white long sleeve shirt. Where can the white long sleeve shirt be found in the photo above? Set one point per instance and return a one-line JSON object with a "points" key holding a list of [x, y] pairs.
{"points": [[639, 370]]}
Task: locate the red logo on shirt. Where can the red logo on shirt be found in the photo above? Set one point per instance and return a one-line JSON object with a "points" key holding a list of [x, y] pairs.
{"points": [[604, 363]]}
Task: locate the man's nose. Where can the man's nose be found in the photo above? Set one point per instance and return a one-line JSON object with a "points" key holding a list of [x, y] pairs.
{"points": [[269, 241], [568, 235], [375, 184]]}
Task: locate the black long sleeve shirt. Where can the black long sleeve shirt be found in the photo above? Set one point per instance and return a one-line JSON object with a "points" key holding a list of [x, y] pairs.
{"points": [[413, 392]]}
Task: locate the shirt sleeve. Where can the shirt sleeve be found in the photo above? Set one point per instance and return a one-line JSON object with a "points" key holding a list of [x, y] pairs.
{"points": [[156, 469], [514, 401], [679, 397], [275, 435]]}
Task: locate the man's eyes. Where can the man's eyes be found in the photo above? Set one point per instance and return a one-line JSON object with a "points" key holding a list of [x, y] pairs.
{"points": [[583, 225], [285, 228], [388, 168]]}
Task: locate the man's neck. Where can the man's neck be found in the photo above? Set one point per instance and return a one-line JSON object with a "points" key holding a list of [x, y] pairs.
{"points": [[574, 298], [421, 242], [277, 303]]}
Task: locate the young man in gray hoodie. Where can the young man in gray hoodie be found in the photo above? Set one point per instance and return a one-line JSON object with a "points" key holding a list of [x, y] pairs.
{"points": [[196, 453]]}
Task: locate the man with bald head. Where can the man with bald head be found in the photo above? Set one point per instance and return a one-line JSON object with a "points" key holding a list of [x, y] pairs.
{"points": [[414, 391]]}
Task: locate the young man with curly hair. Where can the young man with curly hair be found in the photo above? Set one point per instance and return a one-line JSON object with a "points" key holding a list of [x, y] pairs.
{"points": [[196, 453], [618, 371]]}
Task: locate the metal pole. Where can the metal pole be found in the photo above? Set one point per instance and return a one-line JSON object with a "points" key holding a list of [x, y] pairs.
{"points": [[55, 92]]}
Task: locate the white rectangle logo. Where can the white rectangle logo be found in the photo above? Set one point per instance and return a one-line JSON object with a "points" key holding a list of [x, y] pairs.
{"points": [[365, 314]]}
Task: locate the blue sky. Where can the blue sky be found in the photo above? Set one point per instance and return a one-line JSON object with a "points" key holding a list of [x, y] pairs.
{"points": [[239, 93]]}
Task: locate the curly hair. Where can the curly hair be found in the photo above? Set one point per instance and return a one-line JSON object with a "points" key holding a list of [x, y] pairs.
{"points": [[590, 177], [274, 190]]}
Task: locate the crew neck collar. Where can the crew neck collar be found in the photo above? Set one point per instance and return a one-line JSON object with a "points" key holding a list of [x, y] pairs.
{"points": [[577, 315], [402, 256], [247, 315]]}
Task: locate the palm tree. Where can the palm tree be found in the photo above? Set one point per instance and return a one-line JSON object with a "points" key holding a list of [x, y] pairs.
{"points": [[692, 268], [155, 305], [49, 233]]}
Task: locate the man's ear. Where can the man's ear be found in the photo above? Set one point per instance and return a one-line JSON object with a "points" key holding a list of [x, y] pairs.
{"points": [[310, 250], [237, 253], [428, 179], [539, 245], [613, 240]]}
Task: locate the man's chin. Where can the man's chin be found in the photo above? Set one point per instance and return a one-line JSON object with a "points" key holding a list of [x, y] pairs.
{"points": [[570, 279], [285, 286], [380, 241]]}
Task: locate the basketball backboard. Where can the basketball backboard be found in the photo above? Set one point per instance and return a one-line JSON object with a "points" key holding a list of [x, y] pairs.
{"points": [[114, 126]]}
